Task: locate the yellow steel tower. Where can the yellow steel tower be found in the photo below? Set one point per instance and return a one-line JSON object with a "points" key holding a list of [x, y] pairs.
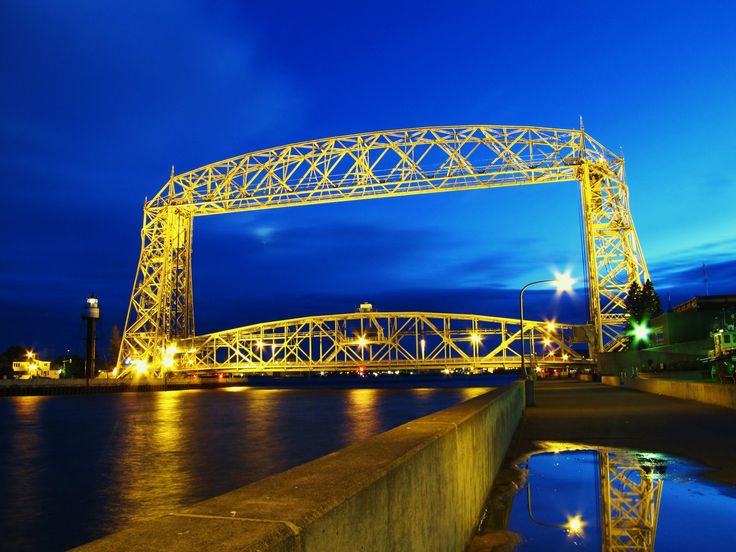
{"points": [[374, 165], [631, 492]]}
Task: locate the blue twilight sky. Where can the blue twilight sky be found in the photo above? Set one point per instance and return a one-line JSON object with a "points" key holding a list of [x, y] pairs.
{"points": [[99, 99]]}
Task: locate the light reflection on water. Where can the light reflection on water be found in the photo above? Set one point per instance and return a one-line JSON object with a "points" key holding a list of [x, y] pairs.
{"points": [[73, 468], [626, 500]]}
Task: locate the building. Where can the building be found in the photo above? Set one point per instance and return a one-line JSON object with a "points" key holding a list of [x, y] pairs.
{"points": [[692, 323], [34, 369], [681, 339]]}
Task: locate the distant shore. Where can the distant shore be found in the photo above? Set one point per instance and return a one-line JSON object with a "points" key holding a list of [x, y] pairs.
{"points": [[12, 388]]}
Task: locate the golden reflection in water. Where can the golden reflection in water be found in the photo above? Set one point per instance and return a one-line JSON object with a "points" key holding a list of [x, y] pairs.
{"points": [[467, 393], [26, 408], [423, 393], [24, 491], [151, 460], [260, 411], [361, 416], [260, 408]]}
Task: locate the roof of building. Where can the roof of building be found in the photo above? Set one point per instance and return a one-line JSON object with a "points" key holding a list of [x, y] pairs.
{"points": [[707, 303]]}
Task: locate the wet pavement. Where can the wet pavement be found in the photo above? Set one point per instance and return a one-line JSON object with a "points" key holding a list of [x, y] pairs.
{"points": [[596, 414], [595, 467]]}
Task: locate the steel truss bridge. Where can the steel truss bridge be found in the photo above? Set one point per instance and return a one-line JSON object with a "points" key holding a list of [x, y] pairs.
{"points": [[159, 331], [368, 341]]}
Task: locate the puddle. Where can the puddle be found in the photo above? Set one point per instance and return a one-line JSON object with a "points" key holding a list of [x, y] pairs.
{"points": [[570, 497]]}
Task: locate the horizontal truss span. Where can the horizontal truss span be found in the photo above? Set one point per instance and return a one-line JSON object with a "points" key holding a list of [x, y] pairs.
{"points": [[394, 162], [376, 341]]}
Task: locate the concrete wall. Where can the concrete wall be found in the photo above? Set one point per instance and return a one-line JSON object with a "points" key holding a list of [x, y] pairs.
{"points": [[420, 486], [721, 394]]}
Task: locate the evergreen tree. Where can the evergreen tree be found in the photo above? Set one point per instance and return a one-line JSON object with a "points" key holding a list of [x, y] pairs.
{"points": [[642, 305], [650, 301], [634, 304]]}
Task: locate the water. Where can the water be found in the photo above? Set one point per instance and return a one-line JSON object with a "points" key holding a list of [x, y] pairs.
{"points": [[569, 502], [74, 468]]}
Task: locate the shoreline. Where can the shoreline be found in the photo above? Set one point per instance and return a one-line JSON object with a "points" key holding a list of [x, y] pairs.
{"points": [[43, 387]]}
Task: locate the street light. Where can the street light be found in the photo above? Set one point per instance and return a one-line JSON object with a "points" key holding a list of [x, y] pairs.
{"points": [[563, 283]]}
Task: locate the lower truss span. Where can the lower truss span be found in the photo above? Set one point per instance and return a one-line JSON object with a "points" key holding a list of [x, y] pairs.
{"points": [[372, 341]]}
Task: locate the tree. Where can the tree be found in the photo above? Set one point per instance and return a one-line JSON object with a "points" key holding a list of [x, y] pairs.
{"points": [[72, 366], [642, 305], [16, 353], [650, 300], [634, 303]]}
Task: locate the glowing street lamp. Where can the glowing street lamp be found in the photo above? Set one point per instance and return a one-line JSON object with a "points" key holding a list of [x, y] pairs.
{"points": [[563, 283], [574, 525], [475, 340]]}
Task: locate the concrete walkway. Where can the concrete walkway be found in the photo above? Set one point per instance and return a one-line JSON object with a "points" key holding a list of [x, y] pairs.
{"points": [[596, 414]]}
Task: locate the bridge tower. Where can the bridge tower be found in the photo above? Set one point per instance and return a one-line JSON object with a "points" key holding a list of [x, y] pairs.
{"points": [[631, 492]]}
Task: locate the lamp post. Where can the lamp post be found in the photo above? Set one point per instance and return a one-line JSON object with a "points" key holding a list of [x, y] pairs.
{"points": [[563, 282]]}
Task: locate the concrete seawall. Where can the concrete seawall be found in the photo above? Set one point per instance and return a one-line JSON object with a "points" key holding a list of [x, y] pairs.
{"points": [[720, 394], [11, 388], [420, 486]]}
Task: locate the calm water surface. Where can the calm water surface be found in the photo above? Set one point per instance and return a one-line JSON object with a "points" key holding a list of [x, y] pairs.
{"points": [[74, 468]]}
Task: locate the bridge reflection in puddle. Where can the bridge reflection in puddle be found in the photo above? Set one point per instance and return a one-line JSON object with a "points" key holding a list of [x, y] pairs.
{"points": [[581, 498]]}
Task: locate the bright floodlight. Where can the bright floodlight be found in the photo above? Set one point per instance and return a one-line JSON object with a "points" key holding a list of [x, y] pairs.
{"points": [[475, 338], [141, 366], [551, 326], [362, 342], [640, 331], [563, 282]]}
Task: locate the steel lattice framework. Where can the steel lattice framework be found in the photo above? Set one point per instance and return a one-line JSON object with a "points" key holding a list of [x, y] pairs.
{"points": [[375, 341], [374, 165], [631, 492]]}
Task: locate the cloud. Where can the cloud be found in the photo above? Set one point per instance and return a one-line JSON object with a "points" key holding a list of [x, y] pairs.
{"points": [[684, 268]]}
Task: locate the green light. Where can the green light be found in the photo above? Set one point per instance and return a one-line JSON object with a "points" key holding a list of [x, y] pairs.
{"points": [[640, 332]]}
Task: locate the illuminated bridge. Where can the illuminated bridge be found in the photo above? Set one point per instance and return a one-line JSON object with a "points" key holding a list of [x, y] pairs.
{"points": [[159, 331], [368, 341]]}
